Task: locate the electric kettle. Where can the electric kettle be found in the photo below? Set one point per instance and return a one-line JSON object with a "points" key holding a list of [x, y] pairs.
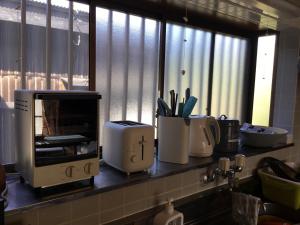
{"points": [[204, 135]]}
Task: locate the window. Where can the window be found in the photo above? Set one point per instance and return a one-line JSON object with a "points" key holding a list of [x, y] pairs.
{"points": [[55, 57], [263, 80], [54, 39], [229, 90], [127, 53], [188, 52]]}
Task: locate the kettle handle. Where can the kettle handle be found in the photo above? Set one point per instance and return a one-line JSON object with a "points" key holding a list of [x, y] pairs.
{"points": [[213, 122]]}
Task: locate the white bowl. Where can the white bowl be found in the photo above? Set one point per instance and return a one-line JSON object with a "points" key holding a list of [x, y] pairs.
{"points": [[262, 136]]}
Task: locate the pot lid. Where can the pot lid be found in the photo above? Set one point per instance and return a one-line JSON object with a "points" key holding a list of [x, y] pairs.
{"points": [[223, 119]]}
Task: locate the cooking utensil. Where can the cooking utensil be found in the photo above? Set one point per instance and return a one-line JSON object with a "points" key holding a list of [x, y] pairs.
{"points": [[173, 102], [281, 169], [189, 106], [187, 94], [163, 108]]}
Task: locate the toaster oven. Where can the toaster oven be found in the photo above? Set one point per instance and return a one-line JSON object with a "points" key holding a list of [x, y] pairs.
{"points": [[57, 136], [128, 146]]}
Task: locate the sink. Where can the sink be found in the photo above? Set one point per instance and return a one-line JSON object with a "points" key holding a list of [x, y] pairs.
{"points": [[215, 208]]}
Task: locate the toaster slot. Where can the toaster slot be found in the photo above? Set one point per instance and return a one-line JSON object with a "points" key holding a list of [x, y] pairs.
{"points": [[141, 143]]}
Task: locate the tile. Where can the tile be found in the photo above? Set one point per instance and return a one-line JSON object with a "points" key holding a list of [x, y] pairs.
{"points": [[55, 214], [135, 192], [28, 218], [173, 182], [85, 206], [110, 215], [191, 189], [175, 194], [88, 220], [112, 199], [135, 207], [157, 200], [155, 187], [190, 177]]}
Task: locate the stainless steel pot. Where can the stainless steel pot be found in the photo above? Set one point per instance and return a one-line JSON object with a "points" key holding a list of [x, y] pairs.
{"points": [[230, 130]]}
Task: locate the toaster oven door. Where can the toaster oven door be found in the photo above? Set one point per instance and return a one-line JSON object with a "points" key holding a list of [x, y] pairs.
{"points": [[66, 129]]}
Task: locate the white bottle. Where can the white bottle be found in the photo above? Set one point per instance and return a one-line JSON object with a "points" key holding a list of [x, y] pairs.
{"points": [[168, 216]]}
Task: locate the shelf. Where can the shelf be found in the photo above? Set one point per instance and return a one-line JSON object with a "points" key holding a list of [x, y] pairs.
{"points": [[61, 141]]}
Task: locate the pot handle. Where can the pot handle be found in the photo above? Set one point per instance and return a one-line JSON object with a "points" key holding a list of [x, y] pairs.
{"points": [[213, 122]]}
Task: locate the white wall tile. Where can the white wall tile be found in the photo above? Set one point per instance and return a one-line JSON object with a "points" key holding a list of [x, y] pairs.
{"points": [[85, 206], [29, 217], [55, 214], [135, 192], [111, 215], [135, 207], [88, 220], [156, 187], [112, 199]]}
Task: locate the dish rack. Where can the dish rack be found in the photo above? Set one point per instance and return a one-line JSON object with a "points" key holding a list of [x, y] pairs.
{"points": [[280, 190]]}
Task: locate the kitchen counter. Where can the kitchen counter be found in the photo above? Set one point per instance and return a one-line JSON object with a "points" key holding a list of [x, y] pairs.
{"points": [[22, 196]]}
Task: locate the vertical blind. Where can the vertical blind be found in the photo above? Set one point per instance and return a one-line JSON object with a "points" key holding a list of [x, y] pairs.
{"points": [[187, 49], [229, 72], [127, 52]]}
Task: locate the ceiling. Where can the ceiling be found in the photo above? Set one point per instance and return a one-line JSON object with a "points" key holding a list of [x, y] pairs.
{"points": [[245, 14], [265, 14]]}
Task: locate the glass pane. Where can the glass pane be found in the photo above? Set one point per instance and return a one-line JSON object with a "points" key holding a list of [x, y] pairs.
{"points": [[65, 129], [150, 92], [10, 18], [187, 64], [59, 44], [35, 44], [263, 80], [80, 46], [228, 93], [127, 66]]}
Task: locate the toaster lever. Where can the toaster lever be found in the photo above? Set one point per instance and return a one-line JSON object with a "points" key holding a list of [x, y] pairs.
{"points": [[142, 143]]}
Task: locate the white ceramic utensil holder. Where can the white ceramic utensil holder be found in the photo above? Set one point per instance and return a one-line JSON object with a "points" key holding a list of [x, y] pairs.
{"points": [[173, 139]]}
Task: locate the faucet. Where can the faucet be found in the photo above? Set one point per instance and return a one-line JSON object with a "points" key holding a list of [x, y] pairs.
{"points": [[226, 171]]}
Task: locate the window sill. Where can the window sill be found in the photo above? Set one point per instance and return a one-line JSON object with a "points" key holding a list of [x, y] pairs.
{"points": [[22, 197]]}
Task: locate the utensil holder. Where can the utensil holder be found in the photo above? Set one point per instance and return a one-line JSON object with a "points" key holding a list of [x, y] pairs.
{"points": [[173, 139]]}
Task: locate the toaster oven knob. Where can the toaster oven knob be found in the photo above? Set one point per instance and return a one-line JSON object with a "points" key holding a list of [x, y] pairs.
{"points": [[133, 159], [69, 171], [87, 168]]}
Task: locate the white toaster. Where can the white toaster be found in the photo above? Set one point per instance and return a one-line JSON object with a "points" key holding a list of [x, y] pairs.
{"points": [[128, 146]]}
